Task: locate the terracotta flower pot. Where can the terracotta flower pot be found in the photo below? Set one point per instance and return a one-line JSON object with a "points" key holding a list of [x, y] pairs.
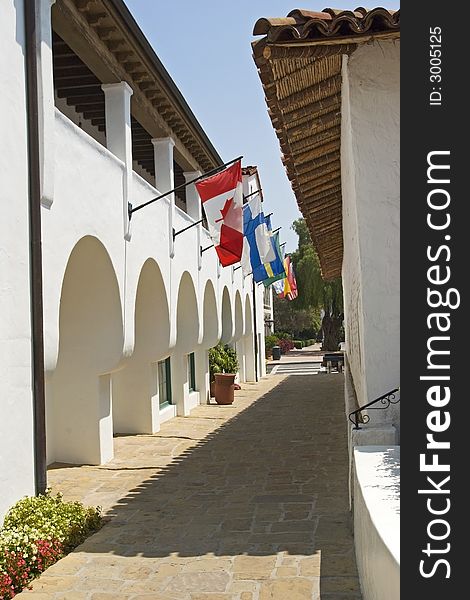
{"points": [[224, 386], [212, 388]]}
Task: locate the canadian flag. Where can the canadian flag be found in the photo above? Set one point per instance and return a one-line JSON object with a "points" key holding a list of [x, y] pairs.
{"points": [[222, 199]]}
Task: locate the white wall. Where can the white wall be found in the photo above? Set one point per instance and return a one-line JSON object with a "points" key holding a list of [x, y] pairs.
{"points": [[16, 414], [169, 314], [377, 521], [371, 210], [115, 302]]}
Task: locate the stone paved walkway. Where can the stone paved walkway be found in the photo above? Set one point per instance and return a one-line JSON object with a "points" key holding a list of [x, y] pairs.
{"points": [[247, 502]]}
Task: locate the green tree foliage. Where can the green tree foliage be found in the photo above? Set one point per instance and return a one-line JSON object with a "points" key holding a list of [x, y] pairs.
{"points": [[299, 322], [314, 292]]}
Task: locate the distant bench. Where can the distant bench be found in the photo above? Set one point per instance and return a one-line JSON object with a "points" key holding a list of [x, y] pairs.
{"points": [[333, 360]]}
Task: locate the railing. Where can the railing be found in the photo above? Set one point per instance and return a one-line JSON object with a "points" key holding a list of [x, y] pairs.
{"points": [[357, 417]]}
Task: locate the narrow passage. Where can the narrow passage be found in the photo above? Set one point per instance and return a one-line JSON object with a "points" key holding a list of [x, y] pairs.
{"points": [[247, 502]]}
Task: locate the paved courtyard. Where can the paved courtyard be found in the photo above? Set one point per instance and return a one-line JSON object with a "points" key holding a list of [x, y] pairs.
{"points": [[245, 502]]}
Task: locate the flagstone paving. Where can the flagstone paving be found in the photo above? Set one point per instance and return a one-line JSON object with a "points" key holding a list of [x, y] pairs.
{"points": [[241, 502]]}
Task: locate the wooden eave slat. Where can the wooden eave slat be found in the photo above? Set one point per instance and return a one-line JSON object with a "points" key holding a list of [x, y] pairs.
{"points": [[121, 42]]}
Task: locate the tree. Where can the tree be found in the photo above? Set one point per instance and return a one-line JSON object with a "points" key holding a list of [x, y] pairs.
{"points": [[299, 322], [314, 292]]}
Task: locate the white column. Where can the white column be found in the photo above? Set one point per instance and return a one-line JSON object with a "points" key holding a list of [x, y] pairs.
{"points": [[194, 207], [259, 290], [179, 383], [193, 202], [119, 135], [249, 349], [240, 347], [46, 110], [164, 178], [202, 375]]}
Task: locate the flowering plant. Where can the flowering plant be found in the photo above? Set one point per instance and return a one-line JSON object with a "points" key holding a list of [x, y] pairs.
{"points": [[37, 531], [286, 345]]}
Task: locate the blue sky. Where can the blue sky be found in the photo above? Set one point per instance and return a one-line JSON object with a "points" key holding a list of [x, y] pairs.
{"points": [[206, 47]]}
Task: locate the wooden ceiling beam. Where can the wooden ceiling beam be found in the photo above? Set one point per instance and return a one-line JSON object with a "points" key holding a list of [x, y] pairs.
{"points": [[89, 107], [139, 142], [70, 87], [85, 99], [86, 77], [71, 61], [66, 72], [93, 114], [86, 92]]}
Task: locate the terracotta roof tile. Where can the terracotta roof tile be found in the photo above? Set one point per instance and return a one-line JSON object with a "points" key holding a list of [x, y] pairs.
{"points": [[249, 170], [330, 23]]}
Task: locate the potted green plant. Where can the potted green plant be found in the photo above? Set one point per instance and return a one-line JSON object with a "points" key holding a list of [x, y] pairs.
{"points": [[216, 365], [223, 366]]}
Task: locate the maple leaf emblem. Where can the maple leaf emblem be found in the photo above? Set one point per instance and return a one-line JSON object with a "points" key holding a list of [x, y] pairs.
{"points": [[226, 209]]}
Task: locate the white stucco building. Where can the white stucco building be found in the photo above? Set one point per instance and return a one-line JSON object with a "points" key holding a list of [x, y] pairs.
{"points": [[129, 309], [331, 81]]}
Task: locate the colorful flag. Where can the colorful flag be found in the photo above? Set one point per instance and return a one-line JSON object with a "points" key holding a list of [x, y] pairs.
{"points": [[222, 199], [257, 247], [278, 287], [290, 289], [287, 288], [282, 287], [274, 270]]}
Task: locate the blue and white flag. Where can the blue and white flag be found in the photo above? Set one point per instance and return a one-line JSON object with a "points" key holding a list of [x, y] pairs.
{"points": [[270, 272], [278, 286], [257, 245]]}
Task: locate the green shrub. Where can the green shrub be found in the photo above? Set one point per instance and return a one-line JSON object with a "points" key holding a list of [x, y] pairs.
{"points": [[298, 344], [282, 335], [231, 360], [222, 359], [36, 532], [271, 341]]}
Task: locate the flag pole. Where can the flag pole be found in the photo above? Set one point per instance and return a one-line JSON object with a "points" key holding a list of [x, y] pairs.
{"points": [[176, 233], [131, 210], [252, 194]]}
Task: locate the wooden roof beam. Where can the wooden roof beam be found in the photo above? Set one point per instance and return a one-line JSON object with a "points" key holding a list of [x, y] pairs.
{"points": [[87, 91]]}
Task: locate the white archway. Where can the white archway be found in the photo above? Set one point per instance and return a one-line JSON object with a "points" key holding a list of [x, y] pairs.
{"points": [[187, 337], [135, 388], [227, 321], [210, 335], [187, 315], [210, 338], [79, 391], [248, 343], [238, 314]]}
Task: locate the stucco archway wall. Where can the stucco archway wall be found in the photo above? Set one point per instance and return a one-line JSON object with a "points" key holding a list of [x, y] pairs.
{"points": [[238, 335], [78, 392], [210, 337], [187, 315], [238, 320], [248, 343], [210, 333], [187, 337], [135, 387], [227, 321]]}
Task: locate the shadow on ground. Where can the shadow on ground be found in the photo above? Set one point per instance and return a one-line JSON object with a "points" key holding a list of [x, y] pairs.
{"points": [[273, 479]]}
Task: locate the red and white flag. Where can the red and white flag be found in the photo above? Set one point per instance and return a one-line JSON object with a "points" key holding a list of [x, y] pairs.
{"points": [[222, 199]]}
